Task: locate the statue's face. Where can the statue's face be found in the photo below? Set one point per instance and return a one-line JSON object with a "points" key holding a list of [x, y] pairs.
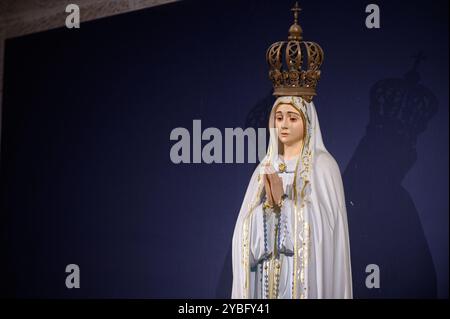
{"points": [[289, 123]]}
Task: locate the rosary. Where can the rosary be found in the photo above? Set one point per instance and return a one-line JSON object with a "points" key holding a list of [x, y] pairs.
{"points": [[272, 263]]}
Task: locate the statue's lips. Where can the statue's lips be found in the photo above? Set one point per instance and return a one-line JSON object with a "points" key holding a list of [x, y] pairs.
{"points": [[284, 134]]}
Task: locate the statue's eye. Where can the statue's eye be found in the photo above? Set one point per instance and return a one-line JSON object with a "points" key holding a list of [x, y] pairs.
{"points": [[293, 119], [279, 118]]}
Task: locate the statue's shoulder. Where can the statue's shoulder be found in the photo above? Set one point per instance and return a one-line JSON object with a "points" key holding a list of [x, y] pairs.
{"points": [[325, 164]]}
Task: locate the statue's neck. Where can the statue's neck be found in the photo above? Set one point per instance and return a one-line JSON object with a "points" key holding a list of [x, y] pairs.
{"points": [[292, 150]]}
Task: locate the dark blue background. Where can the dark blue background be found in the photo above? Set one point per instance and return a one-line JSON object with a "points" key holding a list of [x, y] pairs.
{"points": [[86, 176]]}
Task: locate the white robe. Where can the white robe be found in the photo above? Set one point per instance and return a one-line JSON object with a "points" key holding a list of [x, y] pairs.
{"points": [[315, 213]]}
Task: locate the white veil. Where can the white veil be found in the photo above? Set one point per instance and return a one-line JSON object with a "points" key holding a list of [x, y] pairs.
{"points": [[321, 245]]}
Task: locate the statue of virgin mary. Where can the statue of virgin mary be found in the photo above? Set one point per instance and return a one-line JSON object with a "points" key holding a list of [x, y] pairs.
{"points": [[291, 237]]}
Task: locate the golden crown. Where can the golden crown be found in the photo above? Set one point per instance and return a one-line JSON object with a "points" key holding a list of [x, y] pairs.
{"points": [[296, 76]]}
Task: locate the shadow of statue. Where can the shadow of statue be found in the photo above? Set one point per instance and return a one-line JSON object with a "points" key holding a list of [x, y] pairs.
{"points": [[384, 225]]}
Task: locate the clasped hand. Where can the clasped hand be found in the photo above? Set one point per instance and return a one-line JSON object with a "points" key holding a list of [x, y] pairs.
{"points": [[273, 185]]}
